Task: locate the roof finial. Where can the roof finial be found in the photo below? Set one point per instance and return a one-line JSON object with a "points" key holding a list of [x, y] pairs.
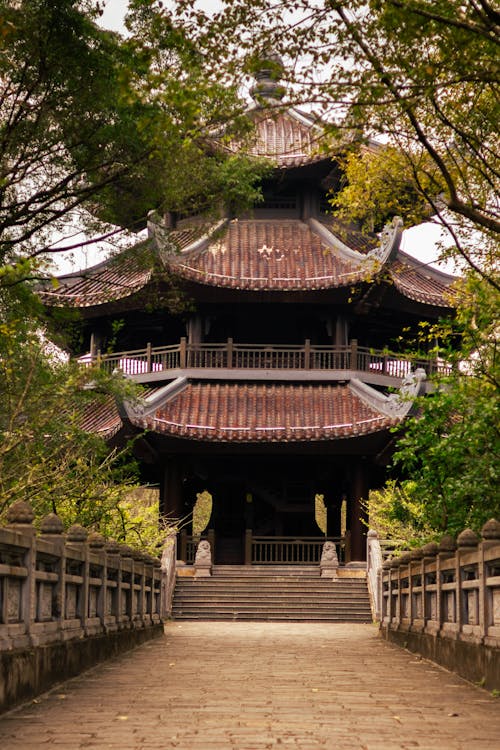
{"points": [[268, 73]]}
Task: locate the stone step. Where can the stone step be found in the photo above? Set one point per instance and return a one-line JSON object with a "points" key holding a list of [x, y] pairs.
{"points": [[314, 588], [271, 597], [249, 607], [214, 616], [265, 570]]}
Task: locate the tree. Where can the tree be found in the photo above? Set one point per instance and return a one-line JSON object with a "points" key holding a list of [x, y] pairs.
{"points": [[117, 127], [451, 449], [91, 120], [423, 76]]}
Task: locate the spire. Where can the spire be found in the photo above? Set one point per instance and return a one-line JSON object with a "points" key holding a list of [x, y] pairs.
{"points": [[269, 70]]}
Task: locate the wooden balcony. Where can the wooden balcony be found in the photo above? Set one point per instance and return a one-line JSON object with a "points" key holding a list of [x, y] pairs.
{"points": [[231, 361]]}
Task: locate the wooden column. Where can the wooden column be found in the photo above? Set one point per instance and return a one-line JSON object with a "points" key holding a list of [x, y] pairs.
{"points": [[358, 492], [171, 491], [333, 506], [195, 330]]}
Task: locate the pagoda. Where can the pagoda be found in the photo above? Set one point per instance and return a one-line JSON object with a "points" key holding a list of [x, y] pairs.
{"points": [[278, 381]]}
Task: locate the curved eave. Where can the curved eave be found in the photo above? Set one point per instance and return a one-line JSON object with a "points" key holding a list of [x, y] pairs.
{"points": [[271, 255], [421, 283], [257, 413], [115, 279]]}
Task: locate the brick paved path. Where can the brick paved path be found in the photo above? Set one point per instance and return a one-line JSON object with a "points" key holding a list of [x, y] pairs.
{"points": [[250, 686]]}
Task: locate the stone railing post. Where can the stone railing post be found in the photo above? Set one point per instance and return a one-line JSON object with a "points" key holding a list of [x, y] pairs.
{"points": [[125, 616], [96, 544], [430, 591], [168, 574], [374, 572], [467, 543], [447, 549], [139, 589], [113, 597], [51, 529], [77, 539], [20, 518], [489, 604]]}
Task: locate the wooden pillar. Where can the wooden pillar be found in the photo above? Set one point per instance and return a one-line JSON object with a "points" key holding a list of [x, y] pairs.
{"points": [[171, 493], [195, 330], [333, 506], [341, 333], [358, 492]]}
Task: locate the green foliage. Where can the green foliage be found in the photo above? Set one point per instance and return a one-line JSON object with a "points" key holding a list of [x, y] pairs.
{"points": [[396, 513], [422, 76], [118, 127], [202, 512], [379, 185], [451, 449], [320, 513], [47, 457], [136, 521]]}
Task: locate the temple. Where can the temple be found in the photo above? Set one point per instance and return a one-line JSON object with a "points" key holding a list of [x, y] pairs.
{"points": [[269, 348]]}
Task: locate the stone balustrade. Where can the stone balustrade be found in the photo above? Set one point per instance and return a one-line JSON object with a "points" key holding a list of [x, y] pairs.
{"points": [[74, 597], [443, 601]]}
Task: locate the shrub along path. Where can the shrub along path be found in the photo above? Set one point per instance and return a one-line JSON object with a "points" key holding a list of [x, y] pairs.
{"points": [[252, 686]]}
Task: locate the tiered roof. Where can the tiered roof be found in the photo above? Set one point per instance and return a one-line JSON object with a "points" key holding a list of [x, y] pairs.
{"points": [[256, 255], [254, 413], [288, 138]]}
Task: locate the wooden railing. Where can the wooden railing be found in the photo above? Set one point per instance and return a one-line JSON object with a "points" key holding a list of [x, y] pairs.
{"points": [[229, 355], [271, 550], [288, 550]]}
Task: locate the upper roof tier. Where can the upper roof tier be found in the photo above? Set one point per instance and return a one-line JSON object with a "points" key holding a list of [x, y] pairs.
{"points": [[288, 245], [262, 255], [288, 138]]}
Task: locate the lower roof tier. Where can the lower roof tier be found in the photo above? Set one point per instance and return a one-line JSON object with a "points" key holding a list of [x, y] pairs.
{"points": [[257, 413]]}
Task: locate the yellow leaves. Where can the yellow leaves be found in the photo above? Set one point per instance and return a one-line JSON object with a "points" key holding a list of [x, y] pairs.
{"points": [[202, 512], [320, 515]]}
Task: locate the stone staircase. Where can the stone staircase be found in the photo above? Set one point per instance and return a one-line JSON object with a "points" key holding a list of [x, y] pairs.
{"points": [[271, 593]]}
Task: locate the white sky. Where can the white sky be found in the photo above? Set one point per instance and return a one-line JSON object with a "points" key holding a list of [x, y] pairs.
{"points": [[420, 241]]}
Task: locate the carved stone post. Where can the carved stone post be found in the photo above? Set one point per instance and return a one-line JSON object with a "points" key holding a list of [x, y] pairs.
{"points": [[20, 517], [96, 544], [51, 529], [203, 560], [329, 562]]}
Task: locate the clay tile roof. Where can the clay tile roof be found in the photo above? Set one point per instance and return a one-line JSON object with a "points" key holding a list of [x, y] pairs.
{"points": [[101, 417], [114, 279], [420, 284], [289, 139], [268, 254], [265, 413], [353, 238]]}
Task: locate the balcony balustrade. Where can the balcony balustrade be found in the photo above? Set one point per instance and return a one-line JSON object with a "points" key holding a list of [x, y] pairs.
{"points": [[230, 359]]}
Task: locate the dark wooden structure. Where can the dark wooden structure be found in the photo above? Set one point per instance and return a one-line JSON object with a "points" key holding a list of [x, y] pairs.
{"points": [[270, 384]]}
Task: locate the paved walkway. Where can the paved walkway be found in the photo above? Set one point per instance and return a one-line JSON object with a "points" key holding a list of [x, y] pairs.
{"points": [[212, 686]]}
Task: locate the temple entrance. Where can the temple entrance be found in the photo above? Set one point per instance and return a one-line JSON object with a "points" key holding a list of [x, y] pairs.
{"points": [[271, 497]]}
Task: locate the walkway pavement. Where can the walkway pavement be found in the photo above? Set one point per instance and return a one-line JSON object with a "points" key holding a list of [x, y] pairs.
{"points": [[251, 686]]}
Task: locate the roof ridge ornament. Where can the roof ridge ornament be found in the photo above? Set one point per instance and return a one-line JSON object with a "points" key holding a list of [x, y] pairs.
{"points": [[268, 74], [390, 241], [397, 405]]}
